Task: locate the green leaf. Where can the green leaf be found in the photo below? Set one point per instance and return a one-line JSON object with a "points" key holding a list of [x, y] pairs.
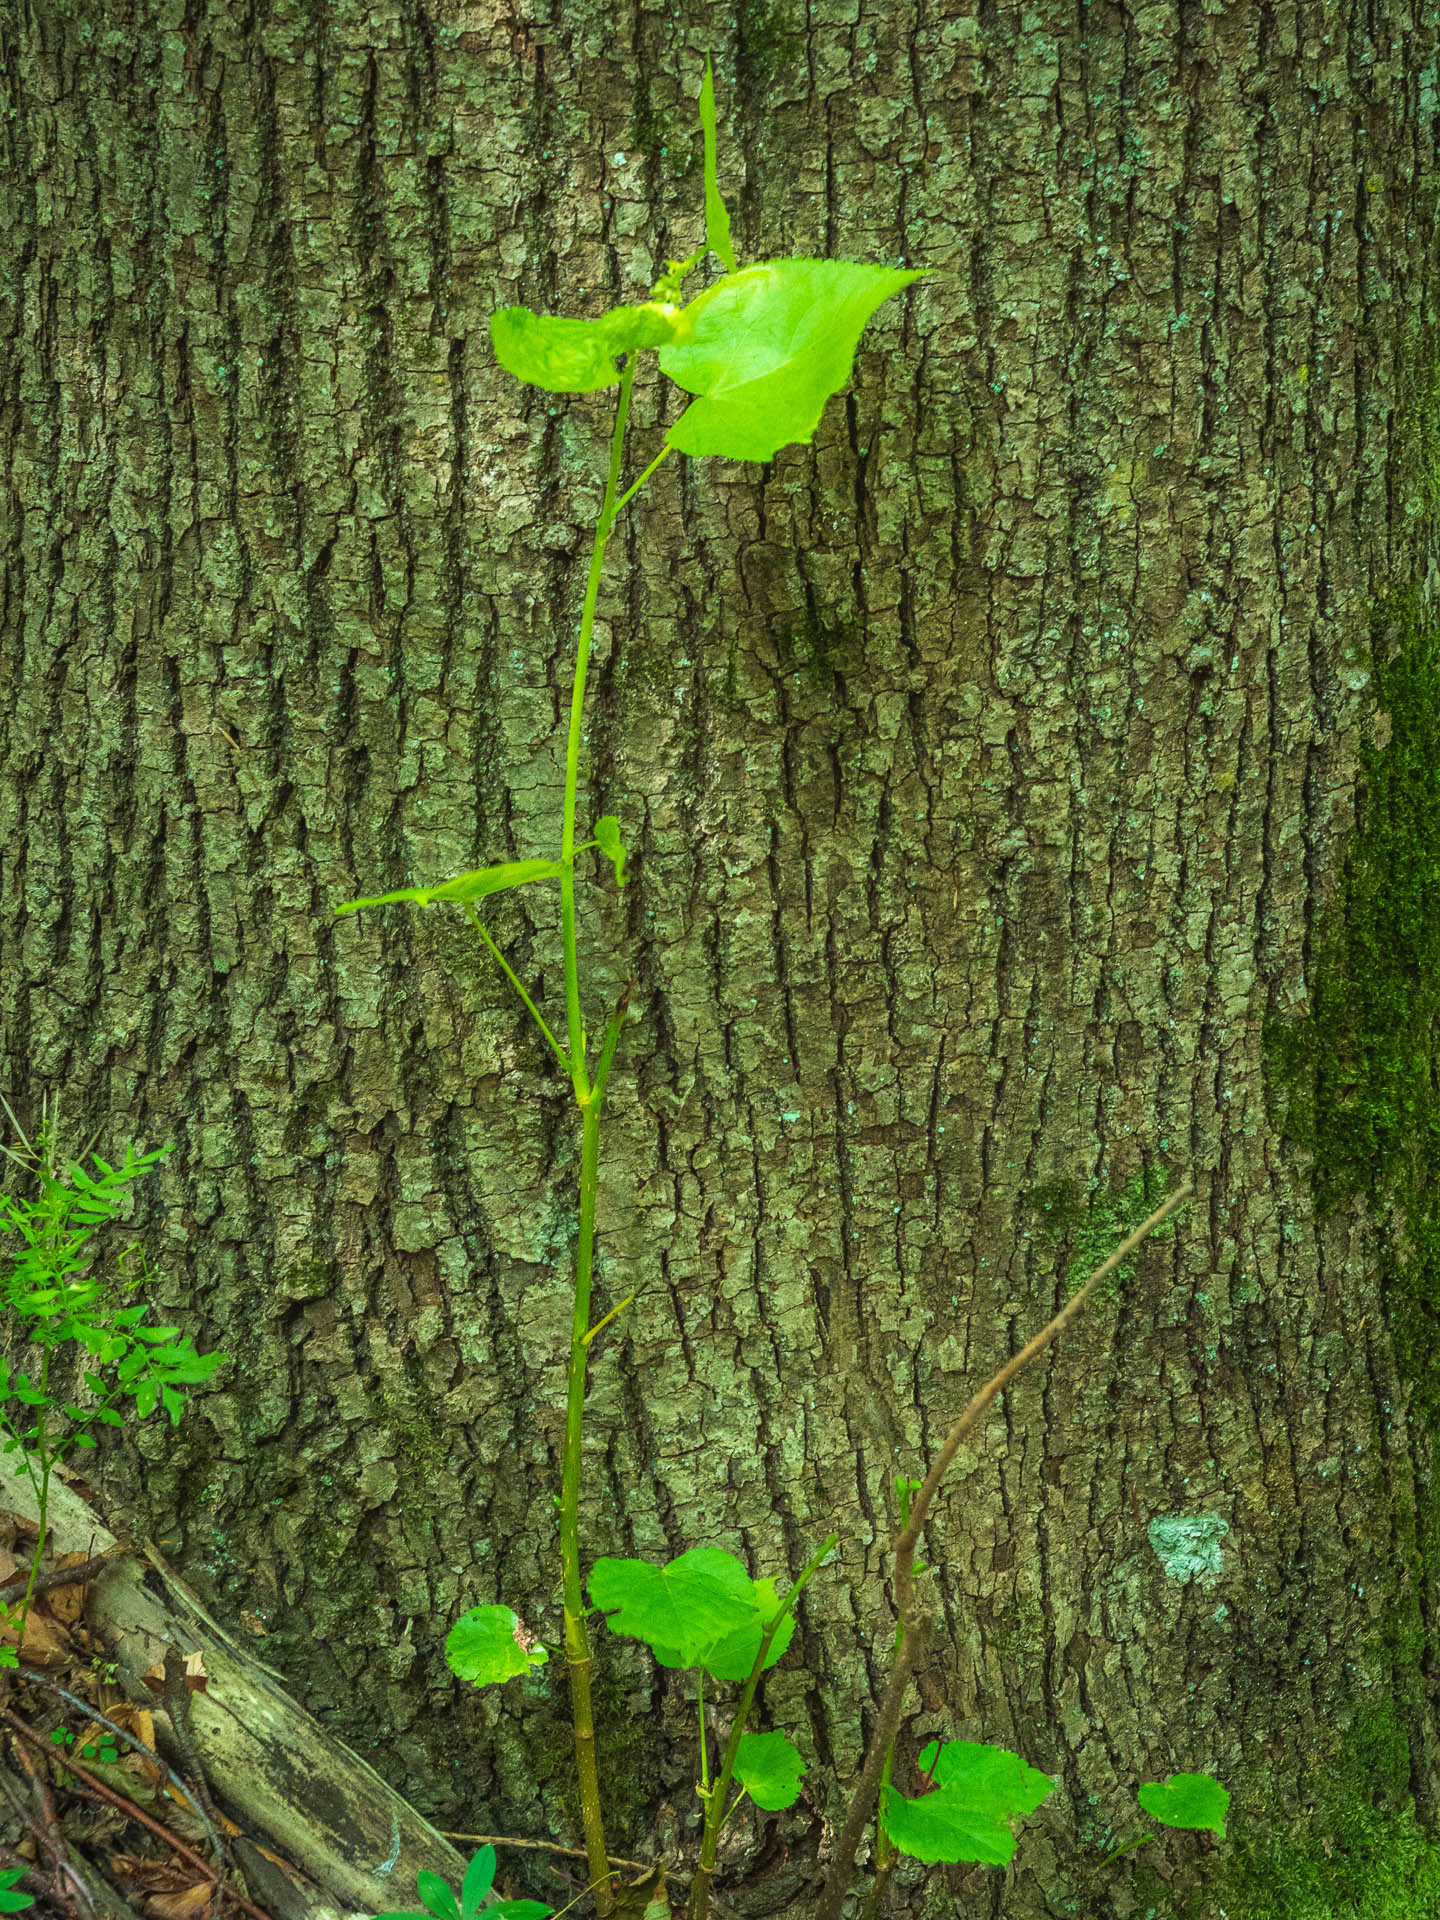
{"points": [[770, 1767], [403, 1916], [607, 833], [484, 1646], [770, 346], [436, 1895], [174, 1403], [734, 1656], [108, 1417], [1187, 1800], [520, 1910], [145, 1398], [82, 1440], [479, 1877], [717, 220], [578, 356], [981, 1789], [702, 1610], [466, 886]]}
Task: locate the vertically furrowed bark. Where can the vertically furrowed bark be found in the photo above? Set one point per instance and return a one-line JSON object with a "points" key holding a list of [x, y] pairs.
{"points": [[1030, 788]]}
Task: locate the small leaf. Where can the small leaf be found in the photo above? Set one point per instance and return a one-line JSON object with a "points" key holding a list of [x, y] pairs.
{"points": [[484, 1646], [466, 886], [770, 1767], [607, 832], [564, 355], [436, 1895], [770, 346], [717, 220], [520, 1910], [981, 1789], [108, 1417], [1187, 1800], [479, 1877]]}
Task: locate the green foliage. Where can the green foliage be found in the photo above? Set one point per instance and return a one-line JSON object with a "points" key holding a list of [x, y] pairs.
{"points": [[106, 1753], [578, 356], [466, 886], [767, 349], [702, 1610], [717, 220], [768, 1766], [979, 1790], [488, 1644], [441, 1904], [10, 1901], [607, 838], [52, 1296], [1187, 1800]]}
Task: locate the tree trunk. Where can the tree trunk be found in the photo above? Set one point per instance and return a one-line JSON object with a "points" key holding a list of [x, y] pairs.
{"points": [[1033, 795]]}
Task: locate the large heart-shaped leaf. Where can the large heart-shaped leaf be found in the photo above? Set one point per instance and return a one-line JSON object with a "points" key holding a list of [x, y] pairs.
{"points": [[489, 1644], [1187, 1800], [578, 356], [701, 1610], [770, 345], [770, 1767], [980, 1790], [466, 886]]}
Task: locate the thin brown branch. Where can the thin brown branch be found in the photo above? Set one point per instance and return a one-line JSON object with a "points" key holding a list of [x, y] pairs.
{"points": [[98, 1789], [916, 1624]]}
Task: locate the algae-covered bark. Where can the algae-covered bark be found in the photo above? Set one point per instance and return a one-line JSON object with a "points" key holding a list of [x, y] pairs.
{"points": [[990, 769]]}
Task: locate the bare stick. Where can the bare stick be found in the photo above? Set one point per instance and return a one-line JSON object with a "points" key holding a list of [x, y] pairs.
{"points": [[914, 1621]]}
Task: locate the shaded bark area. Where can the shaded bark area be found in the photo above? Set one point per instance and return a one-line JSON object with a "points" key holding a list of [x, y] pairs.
{"points": [[989, 767]]}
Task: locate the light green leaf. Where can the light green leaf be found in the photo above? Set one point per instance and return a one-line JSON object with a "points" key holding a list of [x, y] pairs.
{"points": [[734, 1656], [436, 1895], [519, 1910], [466, 886], [681, 1610], [702, 1610], [485, 1646], [607, 832], [980, 1790], [770, 1767], [717, 220], [479, 1878], [578, 356], [770, 346], [1187, 1800]]}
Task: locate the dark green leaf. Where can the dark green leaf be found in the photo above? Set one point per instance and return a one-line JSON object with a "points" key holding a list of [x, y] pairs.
{"points": [[770, 346]]}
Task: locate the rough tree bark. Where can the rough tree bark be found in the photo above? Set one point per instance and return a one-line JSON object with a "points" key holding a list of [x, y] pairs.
{"points": [[1033, 791]]}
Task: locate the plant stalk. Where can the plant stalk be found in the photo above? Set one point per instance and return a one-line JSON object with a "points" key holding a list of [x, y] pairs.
{"points": [[912, 1618], [590, 1101], [715, 1799]]}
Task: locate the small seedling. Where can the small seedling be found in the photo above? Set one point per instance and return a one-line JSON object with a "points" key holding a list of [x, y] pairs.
{"points": [[441, 1904], [106, 1753]]}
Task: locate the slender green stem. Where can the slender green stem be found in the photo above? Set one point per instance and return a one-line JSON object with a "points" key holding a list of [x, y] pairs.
{"points": [[575, 1031], [590, 1100], [1115, 1853], [480, 928], [704, 1755], [715, 1799]]}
